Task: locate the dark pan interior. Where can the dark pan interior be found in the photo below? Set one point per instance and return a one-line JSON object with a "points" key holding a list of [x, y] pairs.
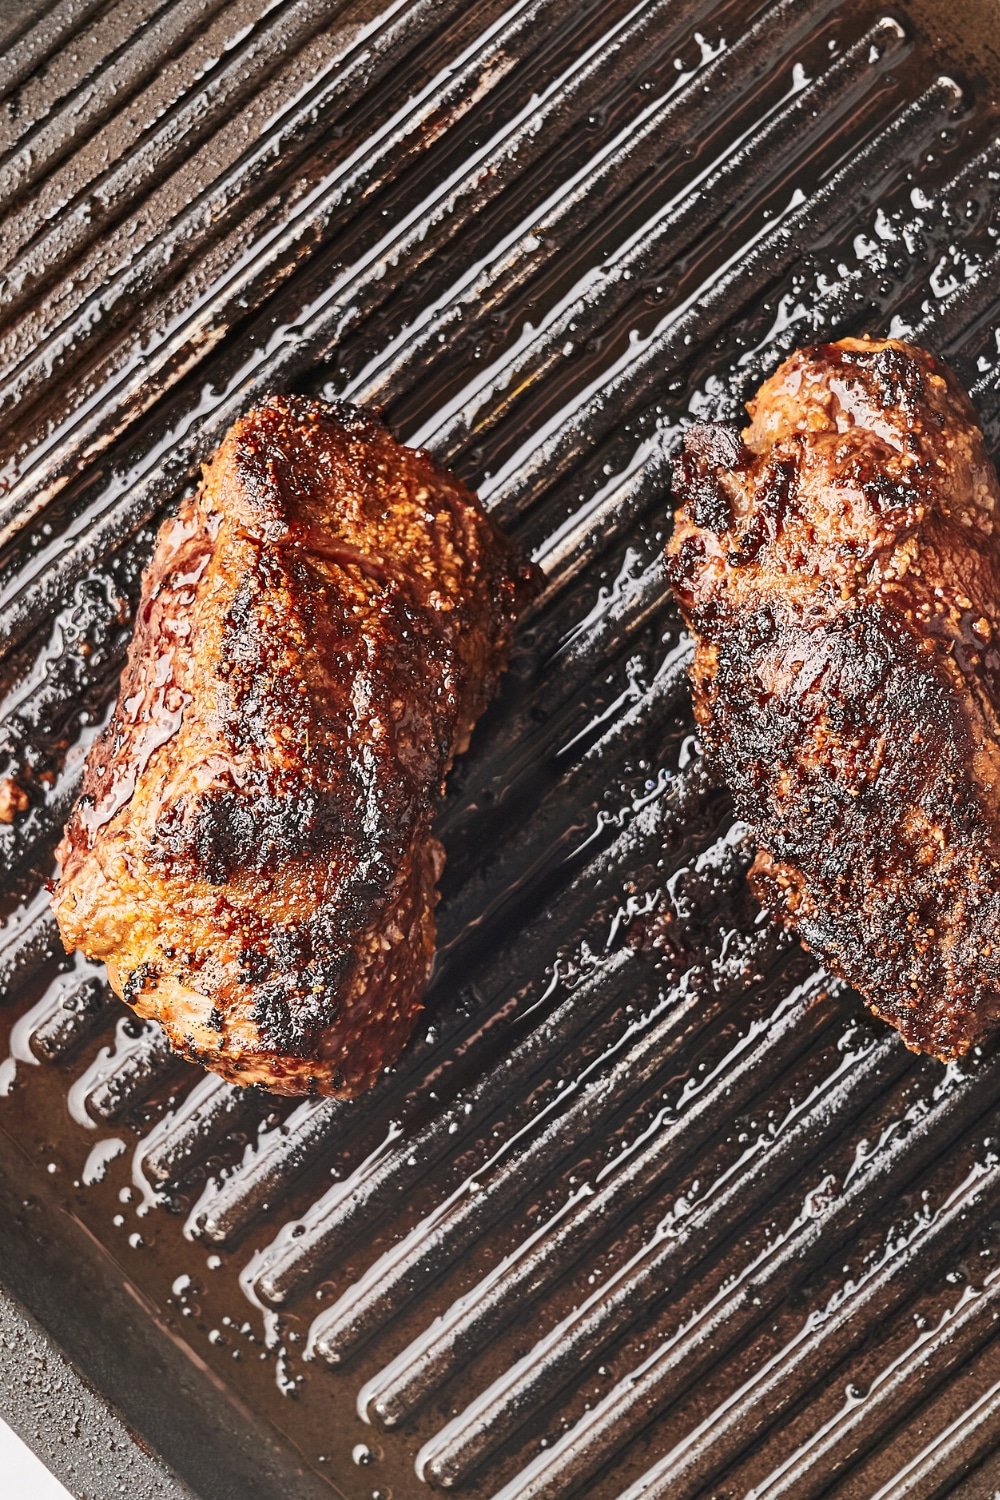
{"points": [[650, 1209]]}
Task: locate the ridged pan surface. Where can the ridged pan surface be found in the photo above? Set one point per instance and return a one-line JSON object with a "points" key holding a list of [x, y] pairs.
{"points": [[650, 1207]]}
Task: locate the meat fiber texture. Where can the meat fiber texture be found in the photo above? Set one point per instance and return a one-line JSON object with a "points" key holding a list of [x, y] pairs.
{"points": [[251, 854], [838, 565]]}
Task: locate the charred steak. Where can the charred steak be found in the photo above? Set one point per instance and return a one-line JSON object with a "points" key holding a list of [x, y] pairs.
{"points": [[838, 565], [251, 853]]}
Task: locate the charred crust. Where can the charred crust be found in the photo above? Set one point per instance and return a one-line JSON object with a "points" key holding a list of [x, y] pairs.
{"points": [[706, 499], [850, 835], [681, 565], [884, 492], [254, 965], [708, 452], [298, 977], [895, 376], [144, 976], [223, 833], [285, 1025]]}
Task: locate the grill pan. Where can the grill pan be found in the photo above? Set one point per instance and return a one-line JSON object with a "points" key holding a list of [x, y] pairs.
{"points": [[650, 1209]]}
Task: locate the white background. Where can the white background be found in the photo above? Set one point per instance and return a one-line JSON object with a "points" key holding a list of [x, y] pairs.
{"points": [[22, 1476]]}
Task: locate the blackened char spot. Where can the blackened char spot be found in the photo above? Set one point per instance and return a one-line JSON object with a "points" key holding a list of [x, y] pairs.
{"points": [[142, 978], [773, 496], [892, 377], [682, 566], [291, 948], [291, 1016], [254, 965], [708, 451], [886, 493], [297, 980], [223, 833], [702, 493]]}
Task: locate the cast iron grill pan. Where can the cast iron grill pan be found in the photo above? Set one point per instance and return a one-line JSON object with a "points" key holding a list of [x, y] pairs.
{"points": [[650, 1209]]}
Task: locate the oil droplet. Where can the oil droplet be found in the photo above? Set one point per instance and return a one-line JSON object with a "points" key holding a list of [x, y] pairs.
{"points": [[97, 1162], [362, 1454]]}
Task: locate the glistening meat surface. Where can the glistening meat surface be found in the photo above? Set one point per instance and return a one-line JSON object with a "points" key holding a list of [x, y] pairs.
{"points": [[251, 853], [838, 564]]}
